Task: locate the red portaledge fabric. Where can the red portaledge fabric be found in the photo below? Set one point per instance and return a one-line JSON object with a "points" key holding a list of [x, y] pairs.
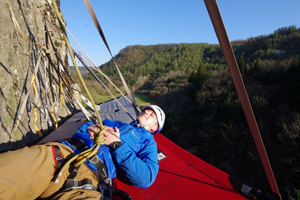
{"points": [[181, 176]]}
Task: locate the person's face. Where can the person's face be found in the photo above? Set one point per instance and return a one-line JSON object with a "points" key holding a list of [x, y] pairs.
{"points": [[147, 118]]}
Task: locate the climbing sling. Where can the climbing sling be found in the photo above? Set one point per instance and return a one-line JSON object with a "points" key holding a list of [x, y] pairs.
{"points": [[220, 30]]}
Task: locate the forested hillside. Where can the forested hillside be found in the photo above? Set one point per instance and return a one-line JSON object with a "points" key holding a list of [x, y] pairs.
{"points": [[192, 84]]}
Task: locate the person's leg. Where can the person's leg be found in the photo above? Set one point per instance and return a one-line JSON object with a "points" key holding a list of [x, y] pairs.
{"points": [[84, 172], [78, 195], [26, 173]]}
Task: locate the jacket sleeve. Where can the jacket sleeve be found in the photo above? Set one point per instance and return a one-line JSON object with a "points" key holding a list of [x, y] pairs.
{"points": [[83, 135], [141, 168]]}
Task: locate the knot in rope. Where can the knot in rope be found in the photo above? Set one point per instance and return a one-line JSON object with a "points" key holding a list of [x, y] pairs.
{"points": [[99, 137]]}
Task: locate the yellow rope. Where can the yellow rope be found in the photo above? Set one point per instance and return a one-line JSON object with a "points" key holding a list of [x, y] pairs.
{"points": [[35, 107], [33, 84], [93, 65], [35, 119], [74, 62], [53, 117], [97, 141]]}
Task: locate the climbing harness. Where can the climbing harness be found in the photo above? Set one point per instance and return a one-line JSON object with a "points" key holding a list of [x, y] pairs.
{"points": [[95, 160], [85, 184], [58, 158]]}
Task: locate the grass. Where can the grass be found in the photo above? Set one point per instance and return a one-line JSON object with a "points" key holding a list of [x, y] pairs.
{"points": [[106, 98], [143, 100]]}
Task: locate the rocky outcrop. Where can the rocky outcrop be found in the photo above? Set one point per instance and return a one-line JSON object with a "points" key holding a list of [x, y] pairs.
{"points": [[35, 87]]}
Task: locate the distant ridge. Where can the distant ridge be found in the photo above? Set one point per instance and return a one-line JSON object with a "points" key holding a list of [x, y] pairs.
{"points": [[82, 70]]}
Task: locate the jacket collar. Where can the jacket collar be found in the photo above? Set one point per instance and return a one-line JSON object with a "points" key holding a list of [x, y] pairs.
{"points": [[137, 125]]}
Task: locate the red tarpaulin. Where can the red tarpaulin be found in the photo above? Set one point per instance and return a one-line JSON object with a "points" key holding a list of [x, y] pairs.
{"points": [[182, 176]]}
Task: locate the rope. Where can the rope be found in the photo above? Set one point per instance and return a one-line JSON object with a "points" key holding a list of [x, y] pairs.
{"points": [[19, 30], [73, 60], [96, 22], [35, 95], [99, 81], [52, 95], [97, 141], [94, 66], [35, 107], [53, 117]]}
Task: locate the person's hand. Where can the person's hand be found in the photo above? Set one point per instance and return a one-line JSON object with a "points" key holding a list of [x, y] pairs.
{"points": [[111, 135], [92, 130]]}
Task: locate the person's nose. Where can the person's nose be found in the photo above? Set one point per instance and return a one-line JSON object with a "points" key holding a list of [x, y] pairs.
{"points": [[147, 112]]}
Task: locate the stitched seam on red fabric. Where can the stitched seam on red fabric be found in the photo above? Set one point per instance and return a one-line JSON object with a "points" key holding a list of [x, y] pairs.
{"points": [[171, 182]]}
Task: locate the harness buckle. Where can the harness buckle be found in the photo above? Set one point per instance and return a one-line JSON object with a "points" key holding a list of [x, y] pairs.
{"points": [[72, 184]]}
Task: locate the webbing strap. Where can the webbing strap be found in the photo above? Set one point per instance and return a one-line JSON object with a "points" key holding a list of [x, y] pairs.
{"points": [[101, 167], [22, 108], [58, 158], [95, 160], [96, 22], [85, 112], [78, 144], [220, 30], [51, 92]]}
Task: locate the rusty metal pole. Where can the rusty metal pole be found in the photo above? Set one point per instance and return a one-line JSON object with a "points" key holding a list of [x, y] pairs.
{"points": [[221, 33]]}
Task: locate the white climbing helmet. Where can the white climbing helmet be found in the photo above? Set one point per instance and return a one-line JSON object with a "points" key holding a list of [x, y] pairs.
{"points": [[159, 114]]}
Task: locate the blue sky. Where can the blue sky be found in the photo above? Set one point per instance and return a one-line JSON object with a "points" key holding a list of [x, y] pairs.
{"points": [[150, 22]]}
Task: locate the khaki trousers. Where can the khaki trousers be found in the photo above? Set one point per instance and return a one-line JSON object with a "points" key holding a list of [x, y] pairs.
{"points": [[26, 174]]}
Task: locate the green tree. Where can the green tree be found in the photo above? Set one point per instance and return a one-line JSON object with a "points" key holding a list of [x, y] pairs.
{"points": [[242, 64], [198, 77]]}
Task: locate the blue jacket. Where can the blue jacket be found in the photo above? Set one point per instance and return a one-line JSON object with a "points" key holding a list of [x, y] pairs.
{"points": [[136, 158]]}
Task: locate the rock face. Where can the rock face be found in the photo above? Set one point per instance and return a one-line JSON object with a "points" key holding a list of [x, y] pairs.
{"points": [[35, 86]]}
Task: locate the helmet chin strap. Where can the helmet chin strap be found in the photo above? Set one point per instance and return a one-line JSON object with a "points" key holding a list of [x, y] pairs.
{"points": [[147, 127]]}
